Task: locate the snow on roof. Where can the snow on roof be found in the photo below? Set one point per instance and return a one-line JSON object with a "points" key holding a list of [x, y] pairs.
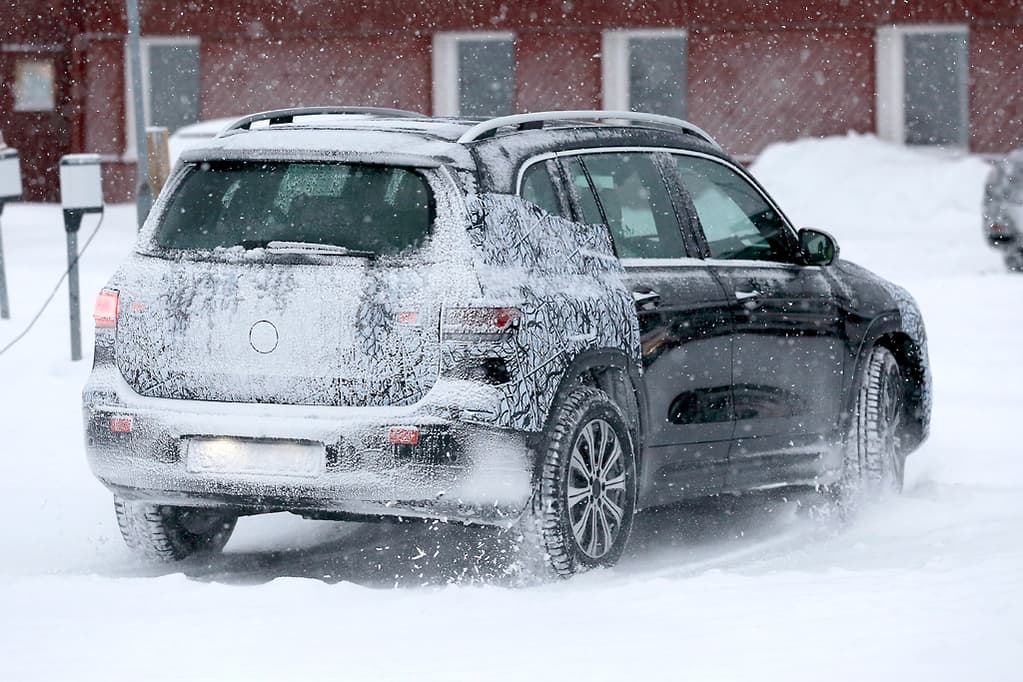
{"points": [[195, 135], [401, 140], [365, 138], [206, 129], [447, 128]]}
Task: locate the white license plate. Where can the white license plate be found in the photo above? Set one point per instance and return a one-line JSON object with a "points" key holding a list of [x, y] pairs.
{"points": [[257, 457]]}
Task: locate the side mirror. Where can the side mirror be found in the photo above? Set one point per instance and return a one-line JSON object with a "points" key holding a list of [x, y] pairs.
{"points": [[819, 248]]}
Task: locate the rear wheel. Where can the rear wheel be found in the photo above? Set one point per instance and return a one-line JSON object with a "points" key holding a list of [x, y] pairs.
{"points": [[584, 496], [874, 463], [173, 533]]}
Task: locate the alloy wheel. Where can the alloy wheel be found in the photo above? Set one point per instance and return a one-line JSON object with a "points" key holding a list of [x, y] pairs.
{"points": [[596, 491], [890, 412]]}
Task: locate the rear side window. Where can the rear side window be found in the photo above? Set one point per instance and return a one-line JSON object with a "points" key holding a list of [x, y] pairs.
{"points": [[538, 188], [380, 209], [634, 200]]}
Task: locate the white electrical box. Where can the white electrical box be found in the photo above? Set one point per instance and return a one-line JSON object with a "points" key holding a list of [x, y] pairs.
{"points": [[81, 182], [10, 174]]}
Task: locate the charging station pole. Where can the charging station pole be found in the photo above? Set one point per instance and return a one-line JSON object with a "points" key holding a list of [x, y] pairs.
{"points": [[10, 189], [5, 306], [72, 221], [81, 192]]}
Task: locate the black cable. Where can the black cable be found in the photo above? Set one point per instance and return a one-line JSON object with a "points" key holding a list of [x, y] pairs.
{"points": [[53, 293]]}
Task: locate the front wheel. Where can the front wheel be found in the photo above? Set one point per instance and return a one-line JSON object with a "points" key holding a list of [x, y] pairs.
{"points": [[584, 495], [874, 464], [171, 533]]}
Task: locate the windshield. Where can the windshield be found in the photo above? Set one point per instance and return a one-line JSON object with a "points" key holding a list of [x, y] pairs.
{"points": [[365, 209]]}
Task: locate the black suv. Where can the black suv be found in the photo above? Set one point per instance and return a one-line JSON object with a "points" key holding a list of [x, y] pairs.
{"points": [[544, 322]]}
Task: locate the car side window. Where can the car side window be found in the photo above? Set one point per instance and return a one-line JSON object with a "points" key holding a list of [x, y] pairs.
{"points": [[538, 188], [633, 199], [738, 223]]}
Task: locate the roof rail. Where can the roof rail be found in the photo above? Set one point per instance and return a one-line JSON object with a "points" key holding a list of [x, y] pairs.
{"points": [[278, 116], [524, 121]]}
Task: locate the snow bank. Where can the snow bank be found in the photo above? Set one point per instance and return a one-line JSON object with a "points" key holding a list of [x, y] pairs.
{"points": [[901, 211]]}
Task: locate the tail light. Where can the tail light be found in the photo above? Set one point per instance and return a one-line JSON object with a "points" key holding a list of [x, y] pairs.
{"points": [[999, 233], [478, 322], [105, 310], [403, 435]]}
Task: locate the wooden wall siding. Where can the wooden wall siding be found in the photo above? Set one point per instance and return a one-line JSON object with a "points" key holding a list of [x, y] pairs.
{"points": [[759, 70], [243, 75], [557, 70], [261, 18], [102, 100], [996, 88], [820, 83]]}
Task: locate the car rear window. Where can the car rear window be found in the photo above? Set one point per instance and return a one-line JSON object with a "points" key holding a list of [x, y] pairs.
{"points": [[379, 209]]}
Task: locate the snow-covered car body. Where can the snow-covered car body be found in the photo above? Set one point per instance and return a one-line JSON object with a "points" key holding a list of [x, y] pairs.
{"points": [[357, 347], [1002, 210], [273, 370]]}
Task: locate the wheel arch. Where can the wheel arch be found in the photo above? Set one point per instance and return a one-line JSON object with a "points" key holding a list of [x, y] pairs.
{"points": [[887, 332], [909, 356], [613, 372]]}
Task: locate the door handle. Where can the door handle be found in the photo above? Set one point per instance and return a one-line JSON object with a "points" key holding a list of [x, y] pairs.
{"points": [[646, 299], [749, 299]]}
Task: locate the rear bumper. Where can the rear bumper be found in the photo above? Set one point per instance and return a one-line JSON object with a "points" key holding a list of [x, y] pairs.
{"points": [[461, 470], [1001, 239]]}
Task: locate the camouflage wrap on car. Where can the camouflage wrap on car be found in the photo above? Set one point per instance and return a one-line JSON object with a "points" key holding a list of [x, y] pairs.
{"points": [[378, 355], [569, 287]]}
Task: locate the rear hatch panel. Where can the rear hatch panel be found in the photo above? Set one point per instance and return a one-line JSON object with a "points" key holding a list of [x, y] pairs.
{"points": [[252, 284], [351, 333]]}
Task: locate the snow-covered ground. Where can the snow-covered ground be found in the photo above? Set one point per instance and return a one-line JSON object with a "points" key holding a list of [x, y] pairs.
{"points": [[928, 586]]}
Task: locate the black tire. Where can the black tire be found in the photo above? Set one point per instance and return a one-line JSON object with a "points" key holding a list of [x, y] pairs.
{"points": [[581, 512], [874, 463], [1014, 258], [170, 533]]}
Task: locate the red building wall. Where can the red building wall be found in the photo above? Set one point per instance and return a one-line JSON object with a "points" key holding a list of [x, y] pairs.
{"points": [[819, 83], [241, 75], [41, 137], [996, 84], [557, 70], [758, 70]]}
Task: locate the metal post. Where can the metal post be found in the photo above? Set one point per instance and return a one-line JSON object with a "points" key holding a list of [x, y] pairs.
{"points": [[143, 192], [5, 309], [72, 221], [10, 190]]}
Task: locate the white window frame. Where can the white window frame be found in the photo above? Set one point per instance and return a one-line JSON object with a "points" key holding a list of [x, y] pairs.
{"points": [[890, 95], [129, 100], [445, 66], [614, 62]]}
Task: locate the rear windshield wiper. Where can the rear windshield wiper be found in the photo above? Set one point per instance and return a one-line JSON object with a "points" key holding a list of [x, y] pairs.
{"points": [[315, 248]]}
